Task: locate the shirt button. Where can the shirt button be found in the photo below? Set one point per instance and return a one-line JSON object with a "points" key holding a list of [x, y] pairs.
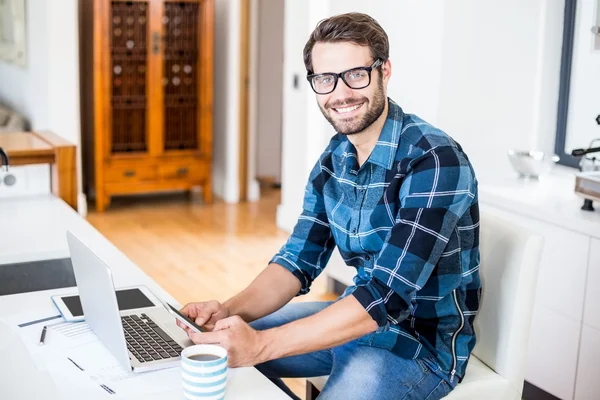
{"points": [[354, 230]]}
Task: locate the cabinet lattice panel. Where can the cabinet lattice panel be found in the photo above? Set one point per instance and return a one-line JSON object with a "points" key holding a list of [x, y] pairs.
{"points": [[128, 33], [180, 79]]}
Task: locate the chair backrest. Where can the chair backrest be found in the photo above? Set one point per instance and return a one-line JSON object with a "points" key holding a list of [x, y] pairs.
{"points": [[510, 261]]}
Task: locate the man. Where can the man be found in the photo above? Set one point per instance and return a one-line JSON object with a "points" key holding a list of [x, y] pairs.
{"points": [[398, 198]]}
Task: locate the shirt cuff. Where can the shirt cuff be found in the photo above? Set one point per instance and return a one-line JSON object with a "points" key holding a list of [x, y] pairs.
{"points": [[370, 298], [296, 271]]}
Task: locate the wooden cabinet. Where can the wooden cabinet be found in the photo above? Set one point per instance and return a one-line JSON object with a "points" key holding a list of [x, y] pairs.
{"points": [[152, 96]]}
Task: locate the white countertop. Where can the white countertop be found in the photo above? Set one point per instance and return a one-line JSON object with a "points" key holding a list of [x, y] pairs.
{"points": [[551, 199], [34, 228]]}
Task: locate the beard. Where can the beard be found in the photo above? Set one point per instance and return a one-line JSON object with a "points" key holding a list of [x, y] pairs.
{"points": [[354, 125]]}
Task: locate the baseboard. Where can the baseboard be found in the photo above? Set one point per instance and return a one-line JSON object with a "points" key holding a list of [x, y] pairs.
{"points": [[82, 204], [253, 191]]}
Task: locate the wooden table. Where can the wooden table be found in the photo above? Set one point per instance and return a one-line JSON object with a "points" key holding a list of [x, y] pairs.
{"points": [[26, 148]]}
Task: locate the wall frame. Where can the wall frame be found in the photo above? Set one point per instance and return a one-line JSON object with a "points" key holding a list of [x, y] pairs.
{"points": [[13, 32]]}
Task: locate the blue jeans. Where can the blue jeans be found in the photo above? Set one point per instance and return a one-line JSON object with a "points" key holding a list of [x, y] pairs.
{"points": [[355, 371]]}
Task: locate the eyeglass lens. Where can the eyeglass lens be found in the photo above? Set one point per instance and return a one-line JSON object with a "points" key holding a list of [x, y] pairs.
{"points": [[355, 79]]}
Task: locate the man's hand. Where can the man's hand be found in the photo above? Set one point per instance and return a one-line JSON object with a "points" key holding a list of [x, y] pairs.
{"points": [[244, 345], [205, 314]]}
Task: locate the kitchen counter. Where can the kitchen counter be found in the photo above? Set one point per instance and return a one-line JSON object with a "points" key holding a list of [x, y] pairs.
{"points": [[551, 199]]}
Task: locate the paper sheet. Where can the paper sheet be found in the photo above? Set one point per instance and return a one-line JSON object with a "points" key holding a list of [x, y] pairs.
{"points": [[72, 352]]}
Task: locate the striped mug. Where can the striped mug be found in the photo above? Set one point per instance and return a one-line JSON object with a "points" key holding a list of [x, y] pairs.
{"points": [[204, 372]]}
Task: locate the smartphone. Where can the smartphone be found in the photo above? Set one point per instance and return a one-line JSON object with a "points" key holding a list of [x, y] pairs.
{"points": [[186, 321]]}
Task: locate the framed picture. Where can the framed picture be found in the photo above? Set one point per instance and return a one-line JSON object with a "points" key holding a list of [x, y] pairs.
{"points": [[12, 32]]}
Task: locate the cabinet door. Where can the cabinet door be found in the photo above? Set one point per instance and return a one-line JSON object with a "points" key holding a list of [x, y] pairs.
{"points": [[563, 266], [552, 352], [559, 302], [591, 314], [187, 75], [588, 384], [126, 75]]}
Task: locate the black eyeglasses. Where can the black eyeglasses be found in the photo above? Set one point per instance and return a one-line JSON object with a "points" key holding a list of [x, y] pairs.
{"points": [[355, 78]]}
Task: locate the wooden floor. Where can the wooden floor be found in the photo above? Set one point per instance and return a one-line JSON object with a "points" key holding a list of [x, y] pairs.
{"points": [[199, 252]]}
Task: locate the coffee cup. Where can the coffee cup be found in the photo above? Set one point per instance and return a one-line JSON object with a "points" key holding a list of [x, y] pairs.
{"points": [[204, 372]]}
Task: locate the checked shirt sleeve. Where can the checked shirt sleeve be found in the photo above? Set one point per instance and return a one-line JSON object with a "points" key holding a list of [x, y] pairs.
{"points": [[311, 243], [438, 189]]}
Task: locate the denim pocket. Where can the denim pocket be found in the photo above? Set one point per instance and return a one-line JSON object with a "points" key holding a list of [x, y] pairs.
{"points": [[429, 363], [440, 391]]}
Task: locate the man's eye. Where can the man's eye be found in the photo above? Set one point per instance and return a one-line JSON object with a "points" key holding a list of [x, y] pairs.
{"points": [[357, 74]]}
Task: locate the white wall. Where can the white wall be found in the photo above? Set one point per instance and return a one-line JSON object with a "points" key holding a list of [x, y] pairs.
{"points": [[486, 72], [584, 104], [226, 100], [46, 91], [269, 88], [414, 84], [497, 57], [414, 30]]}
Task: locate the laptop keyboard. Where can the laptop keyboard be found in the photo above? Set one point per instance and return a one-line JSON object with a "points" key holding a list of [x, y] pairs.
{"points": [[147, 341]]}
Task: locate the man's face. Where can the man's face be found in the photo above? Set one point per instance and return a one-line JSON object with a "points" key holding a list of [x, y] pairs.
{"points": [[348, 110]]}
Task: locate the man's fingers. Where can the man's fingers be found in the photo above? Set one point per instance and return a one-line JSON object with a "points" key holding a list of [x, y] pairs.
{"points": [[205, 312], [228, 322], [207, 337], [188, 310]]}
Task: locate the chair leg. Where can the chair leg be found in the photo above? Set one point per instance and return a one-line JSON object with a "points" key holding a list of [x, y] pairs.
{"points": [[311, 391]]}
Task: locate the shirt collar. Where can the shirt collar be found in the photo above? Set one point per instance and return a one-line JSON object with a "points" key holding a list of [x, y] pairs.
{"points": [[385, 149]]}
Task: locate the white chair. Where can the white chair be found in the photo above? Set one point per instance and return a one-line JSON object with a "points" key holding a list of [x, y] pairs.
{"points": [[510, 259]]}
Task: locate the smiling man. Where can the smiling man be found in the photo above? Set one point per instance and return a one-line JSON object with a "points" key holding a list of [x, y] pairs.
{"points": [[398, 198]]}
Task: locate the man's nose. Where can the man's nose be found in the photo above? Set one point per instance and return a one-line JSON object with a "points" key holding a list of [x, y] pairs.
{"points": [[342, 91]]}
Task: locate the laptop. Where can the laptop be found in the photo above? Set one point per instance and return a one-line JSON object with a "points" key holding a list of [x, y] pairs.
{"points": [[141, 340]]}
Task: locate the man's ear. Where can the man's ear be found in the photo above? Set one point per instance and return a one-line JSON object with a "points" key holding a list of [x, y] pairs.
{"points": [[386, 70]]}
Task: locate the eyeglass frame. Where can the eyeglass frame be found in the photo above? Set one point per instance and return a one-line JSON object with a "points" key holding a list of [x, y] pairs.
{"points": [[377, 63]]}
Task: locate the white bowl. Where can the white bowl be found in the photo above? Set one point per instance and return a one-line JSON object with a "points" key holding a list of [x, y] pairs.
{"points": [[531, 163]]}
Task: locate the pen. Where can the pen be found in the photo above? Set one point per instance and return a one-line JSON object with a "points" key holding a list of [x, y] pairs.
{"points": [[109, 390], [43, 337], [75, 364]]}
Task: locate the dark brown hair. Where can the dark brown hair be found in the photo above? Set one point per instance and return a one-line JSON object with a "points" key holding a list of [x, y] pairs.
{"points": [[353, 27]]}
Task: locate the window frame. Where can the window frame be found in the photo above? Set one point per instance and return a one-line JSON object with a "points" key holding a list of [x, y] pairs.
{"points": [[569, 20]]}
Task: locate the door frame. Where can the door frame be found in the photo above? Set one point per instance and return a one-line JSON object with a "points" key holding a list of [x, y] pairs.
{"points": [[244, 84]]}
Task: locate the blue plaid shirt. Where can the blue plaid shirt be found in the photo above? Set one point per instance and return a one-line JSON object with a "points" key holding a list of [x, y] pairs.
{"points": [[408, 221]]}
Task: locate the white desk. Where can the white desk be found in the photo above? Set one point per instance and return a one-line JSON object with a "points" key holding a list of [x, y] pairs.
{"points": [[34, 229]]}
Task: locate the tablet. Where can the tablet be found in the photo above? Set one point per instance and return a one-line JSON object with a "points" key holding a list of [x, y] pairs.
{"points": [[128, 298]]}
